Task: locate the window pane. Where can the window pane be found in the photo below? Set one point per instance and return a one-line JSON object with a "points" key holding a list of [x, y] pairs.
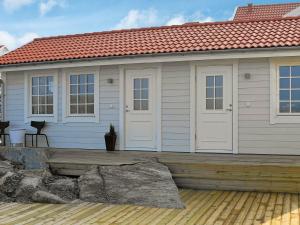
{"points": [[136, 94], [209, 104], [296, 95], [82, 79], [285, 95], [219, 92], [42, 109], [219, 103], [49, 99], [73, 109], [136, 105], [81, 109], [284, 71], [34, 109], [73, 89], [42, 99], [209, 92], [42, 90], [43, 80], [90, 98], [73, 99], [49, 90], [284, 83], [90, 109], [35, 81], [295, 107], [90, 88], [49, 109], [145, 83], [219, 81], [35, 90], [145, 94], [144, 105], [82, 89], [81, 99], [295, 82], [284, 107], [35, 100], [49, 80], [73, 79], [295, 71], [90, 78], [210, 81], [137, 84]]}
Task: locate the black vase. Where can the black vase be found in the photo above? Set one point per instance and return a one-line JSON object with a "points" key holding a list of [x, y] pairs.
{"points": [[110, 141]]}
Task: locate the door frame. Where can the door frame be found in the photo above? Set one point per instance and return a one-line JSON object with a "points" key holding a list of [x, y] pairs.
{"points": [[193, 99], [122, 95]]}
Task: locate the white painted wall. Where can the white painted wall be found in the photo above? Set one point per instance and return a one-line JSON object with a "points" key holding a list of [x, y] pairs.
{"points": [[256, 134]]}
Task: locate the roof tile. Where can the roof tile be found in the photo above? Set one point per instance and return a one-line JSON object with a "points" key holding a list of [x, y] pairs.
{"points": [[168, 39]]}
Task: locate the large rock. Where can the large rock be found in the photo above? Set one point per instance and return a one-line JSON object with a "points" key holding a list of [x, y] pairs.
{"points": [[66, 188], [5, 166], [91, 186], [9, 182], [46, 197], [27, 187], [146, 183]]}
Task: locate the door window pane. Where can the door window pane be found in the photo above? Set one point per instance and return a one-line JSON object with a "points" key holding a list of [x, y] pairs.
{"points": [[141, 94], [214, 92]]}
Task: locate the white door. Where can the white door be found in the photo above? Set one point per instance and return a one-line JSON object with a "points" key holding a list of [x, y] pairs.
{"points": [[214, 109], [140, 110]]}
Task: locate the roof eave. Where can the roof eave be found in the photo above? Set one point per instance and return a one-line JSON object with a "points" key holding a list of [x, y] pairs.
{"points": [[190, 53]]}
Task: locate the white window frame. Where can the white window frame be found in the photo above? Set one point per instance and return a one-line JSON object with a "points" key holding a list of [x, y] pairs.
{"points": [[275, 115], [67, 117], [28, 116]]}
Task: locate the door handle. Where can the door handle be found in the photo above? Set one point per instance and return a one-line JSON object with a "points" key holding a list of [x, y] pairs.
{"points": [[127, 110], [230, 108]]}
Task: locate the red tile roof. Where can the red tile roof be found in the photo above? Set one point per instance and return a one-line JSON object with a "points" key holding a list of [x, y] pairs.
{"points": [[168, 39], [258, 12]]}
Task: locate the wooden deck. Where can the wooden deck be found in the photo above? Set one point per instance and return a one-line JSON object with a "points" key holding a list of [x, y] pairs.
{"points": [[267, 173], [202, 207]]}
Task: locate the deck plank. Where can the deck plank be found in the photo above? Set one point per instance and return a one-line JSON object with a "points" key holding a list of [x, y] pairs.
{"points": [[202, 207]]}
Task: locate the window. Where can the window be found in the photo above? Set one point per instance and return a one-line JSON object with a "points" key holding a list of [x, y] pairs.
{"points": [[214, 92], [42, 95], [141, 94], [289, 89], [81, 95]]}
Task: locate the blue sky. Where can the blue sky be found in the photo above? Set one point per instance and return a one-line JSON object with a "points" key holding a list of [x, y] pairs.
{"points": [[23, 20]]}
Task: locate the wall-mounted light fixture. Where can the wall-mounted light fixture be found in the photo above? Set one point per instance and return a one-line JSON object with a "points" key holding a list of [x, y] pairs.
{"points": [[247, 76], [110, 81]]}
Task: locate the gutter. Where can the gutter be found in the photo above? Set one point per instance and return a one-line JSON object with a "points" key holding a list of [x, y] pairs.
{"points": [[155, 55]]}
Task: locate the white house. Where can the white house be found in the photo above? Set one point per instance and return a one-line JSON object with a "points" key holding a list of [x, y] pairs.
{"points": [[231, 87]]}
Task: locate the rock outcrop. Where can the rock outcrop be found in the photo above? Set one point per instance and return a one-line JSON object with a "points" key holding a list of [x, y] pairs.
{"points": [[142, 182]]}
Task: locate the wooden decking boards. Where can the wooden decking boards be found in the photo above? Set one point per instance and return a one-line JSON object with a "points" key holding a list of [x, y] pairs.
{"points": [[202, 207], [268, 173]]}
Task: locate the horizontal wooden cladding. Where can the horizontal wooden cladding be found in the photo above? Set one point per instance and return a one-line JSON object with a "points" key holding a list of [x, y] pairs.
{"points": [[268, 173]]}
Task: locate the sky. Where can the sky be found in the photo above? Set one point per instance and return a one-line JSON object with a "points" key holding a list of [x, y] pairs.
{"points": [[24, 20]]}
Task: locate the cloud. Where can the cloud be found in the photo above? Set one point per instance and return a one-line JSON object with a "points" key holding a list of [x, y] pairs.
{"points": [[138, 18], [177, 20], [47, 5], [195, 17], [233, 14], [12, 5], [12, 41]]}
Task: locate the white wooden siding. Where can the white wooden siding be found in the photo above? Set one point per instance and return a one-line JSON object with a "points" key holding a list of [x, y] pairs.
{"points": [[69, 135], [256, 134], [176, 107]]}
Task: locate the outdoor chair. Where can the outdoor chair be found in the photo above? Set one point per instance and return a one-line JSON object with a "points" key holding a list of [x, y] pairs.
{"points": [[39, 125], [3, 126]]}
